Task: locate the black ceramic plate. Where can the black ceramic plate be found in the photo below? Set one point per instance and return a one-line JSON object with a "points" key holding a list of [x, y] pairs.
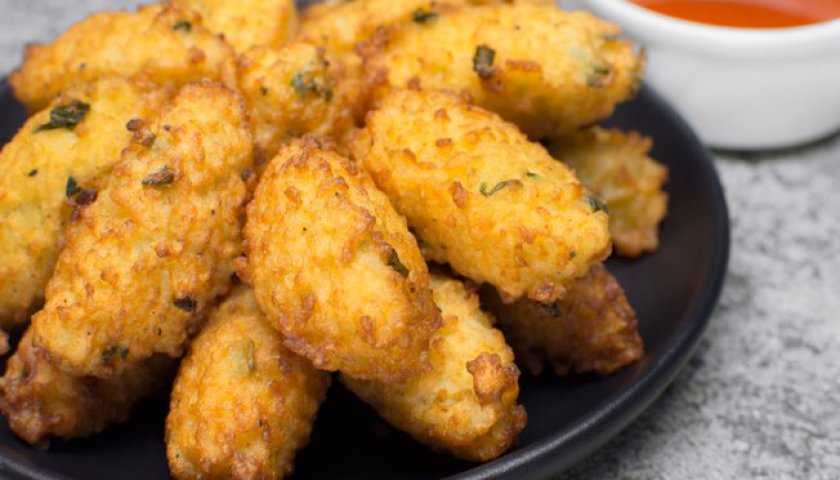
{"points": [[673, 291]]}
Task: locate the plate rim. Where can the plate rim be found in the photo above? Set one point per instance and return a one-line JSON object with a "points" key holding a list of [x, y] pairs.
{"points": [[550, 456], [556, 453]]}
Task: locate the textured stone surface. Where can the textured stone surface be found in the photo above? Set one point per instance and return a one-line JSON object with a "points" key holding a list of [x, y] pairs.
{"points": [[761, 397]]}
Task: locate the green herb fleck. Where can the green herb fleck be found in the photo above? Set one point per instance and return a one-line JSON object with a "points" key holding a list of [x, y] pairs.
{"points": [[599, 75], [422, 16], [32, 172], [395, 263], [530, 174], [638, 71], [596, 203], [113, 352], [304, 87], [66, 116], [504, 183], [186, 304], [72, 187], [483, 61], [192, 327], [183, 26], [552, 309], [24, 374], [164, 176], [572, 255], [249, 355], [301, 86]]}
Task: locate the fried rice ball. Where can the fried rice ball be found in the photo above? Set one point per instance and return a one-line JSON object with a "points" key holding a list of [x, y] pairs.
{"points": [[247, 23], [164, 44], [618, 168], [292, 91], [40, 401], [480, 196], [544, 69], [466, 404], [50, 166], [144, 261], [242, 404], [335, 268], [592, 329]]}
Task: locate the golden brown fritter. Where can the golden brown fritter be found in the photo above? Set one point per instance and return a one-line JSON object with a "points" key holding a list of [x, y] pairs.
{"points": [[592, 329], [53, 162], [341, 24], [242, 404], [466, 404], [247, 23], [294, 90], [144, 261], [617, 167], [335, 268], [546, 70], [480, 196], [344, 28], [41, 401], [164, 44]]}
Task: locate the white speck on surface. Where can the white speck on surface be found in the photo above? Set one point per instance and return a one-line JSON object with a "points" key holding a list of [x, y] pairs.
{"points": [[761, 396]]}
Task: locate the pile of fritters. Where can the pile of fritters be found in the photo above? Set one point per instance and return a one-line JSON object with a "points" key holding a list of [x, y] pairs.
{"points": [[259, 190]]}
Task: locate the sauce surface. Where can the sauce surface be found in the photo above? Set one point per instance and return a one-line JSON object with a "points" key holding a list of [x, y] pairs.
{"points": [[748, 13]]}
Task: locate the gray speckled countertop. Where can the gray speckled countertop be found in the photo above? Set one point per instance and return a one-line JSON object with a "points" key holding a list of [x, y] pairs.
{"points": [[761, 396]]}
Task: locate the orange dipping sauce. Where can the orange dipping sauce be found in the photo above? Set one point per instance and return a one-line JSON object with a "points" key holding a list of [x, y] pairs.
{"points": [[748, 13]]}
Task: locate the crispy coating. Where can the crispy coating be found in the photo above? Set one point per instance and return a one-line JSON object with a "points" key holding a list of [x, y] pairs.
{"points": [[164, 44], [592, 329], [294, 90], [145, 260], [41, 401], [247, 23], [242, 404], [546, 70], [467, 404], [38, 163], [480, 196], [618, 168], [335, 268], [340, 24], [345, 28]]}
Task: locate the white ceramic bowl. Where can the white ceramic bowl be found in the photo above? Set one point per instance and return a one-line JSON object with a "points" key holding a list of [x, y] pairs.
{"points": [[743, 89]]}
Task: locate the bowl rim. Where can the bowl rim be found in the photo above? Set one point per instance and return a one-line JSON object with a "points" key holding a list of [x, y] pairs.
{"points": [[718, 41]]}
